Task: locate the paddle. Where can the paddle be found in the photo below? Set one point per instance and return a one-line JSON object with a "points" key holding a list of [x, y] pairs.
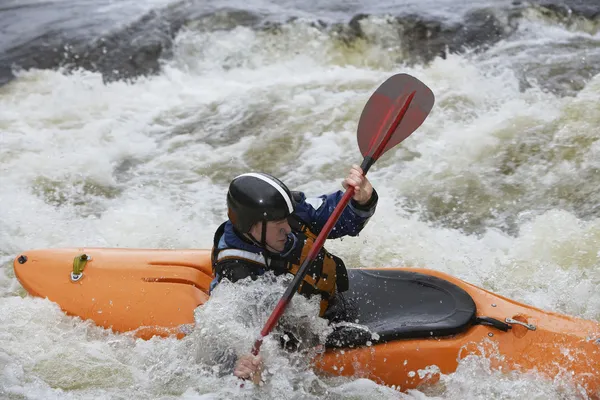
{"points": [[396, 109]]}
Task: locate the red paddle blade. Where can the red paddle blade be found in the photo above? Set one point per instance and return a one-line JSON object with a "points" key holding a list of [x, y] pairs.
{"points": [[383, 107]]}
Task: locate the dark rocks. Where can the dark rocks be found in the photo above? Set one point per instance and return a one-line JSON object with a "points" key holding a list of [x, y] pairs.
{"points": [[129, 52], [138, 48]]}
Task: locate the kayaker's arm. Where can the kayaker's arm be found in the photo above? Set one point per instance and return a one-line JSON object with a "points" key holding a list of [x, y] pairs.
{"points": [[316, 211]]}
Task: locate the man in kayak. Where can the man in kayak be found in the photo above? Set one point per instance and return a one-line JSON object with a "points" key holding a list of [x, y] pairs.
{"points": [[271, 228]]}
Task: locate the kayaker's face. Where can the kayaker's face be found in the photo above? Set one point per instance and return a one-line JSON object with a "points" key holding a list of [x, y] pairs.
{"points": [[276, 235]]}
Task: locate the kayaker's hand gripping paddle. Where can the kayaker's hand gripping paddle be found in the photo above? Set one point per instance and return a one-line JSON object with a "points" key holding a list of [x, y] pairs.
{"points": [[396, 109]]}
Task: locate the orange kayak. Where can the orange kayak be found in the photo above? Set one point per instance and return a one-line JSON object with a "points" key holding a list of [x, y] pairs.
{"points": [[416, 318]]}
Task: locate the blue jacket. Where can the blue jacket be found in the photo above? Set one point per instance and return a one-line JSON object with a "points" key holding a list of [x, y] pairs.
{"points": [[313, 211]]}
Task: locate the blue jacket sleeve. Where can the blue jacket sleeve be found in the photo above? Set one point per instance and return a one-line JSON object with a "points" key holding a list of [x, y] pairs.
{"points": [[316, 211]]}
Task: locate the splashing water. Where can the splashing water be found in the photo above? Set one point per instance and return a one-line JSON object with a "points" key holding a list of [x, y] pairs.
{"points": [[498, 187]]}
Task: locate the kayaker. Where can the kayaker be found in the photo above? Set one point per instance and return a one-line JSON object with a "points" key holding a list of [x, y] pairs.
{"points": [[271, 228]]}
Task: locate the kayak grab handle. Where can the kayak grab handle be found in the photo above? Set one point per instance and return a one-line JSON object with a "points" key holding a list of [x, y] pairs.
{"points": [[503, 326], [531, 327]]}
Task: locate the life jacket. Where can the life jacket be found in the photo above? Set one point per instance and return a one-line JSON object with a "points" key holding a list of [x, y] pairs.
{"points": [[326, 275]]}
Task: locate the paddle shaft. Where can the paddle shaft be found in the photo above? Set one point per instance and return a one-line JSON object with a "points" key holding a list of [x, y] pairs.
{"points": [[368, 161]]}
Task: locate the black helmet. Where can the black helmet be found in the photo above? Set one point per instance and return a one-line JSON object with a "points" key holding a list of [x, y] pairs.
{"points": [[255, 197]]}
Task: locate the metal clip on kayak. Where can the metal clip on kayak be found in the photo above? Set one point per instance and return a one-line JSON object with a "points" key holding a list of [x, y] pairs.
{"points": [[78, 265], [511, 321]]}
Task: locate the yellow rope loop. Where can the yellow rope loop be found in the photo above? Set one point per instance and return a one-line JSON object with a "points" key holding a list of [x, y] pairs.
{"points": [[78, 265]]}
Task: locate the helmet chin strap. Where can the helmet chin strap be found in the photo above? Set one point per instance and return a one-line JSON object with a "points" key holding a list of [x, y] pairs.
{"points": [[263, 238], [263, 235], [262, 243]]}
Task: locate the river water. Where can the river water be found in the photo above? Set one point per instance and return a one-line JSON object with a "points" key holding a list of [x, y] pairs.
{"points": [[121, 124]]}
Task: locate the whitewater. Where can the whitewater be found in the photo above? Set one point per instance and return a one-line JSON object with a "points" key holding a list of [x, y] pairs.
{"points": [[499, 187]]}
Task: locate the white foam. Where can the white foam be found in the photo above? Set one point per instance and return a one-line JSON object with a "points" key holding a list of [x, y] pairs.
{"points": [[146, 164]]}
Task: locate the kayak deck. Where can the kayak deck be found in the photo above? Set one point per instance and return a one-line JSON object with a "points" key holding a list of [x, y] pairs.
{"points": [[151, 292]]}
